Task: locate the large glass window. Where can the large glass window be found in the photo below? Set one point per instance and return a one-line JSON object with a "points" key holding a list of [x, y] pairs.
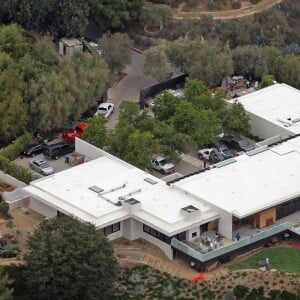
{"points": [[156, 234], [111, 228]]}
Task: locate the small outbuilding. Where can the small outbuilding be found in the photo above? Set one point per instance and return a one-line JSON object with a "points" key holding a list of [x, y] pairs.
{"points": [[69, 46]]}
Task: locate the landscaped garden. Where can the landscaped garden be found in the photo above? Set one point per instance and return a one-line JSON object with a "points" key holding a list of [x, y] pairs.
{"points": [[281, 259], [143, 282]]}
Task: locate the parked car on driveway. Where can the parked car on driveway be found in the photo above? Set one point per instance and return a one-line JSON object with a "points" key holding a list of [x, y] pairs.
{"points": [[163, 165], [33, 149], [237, 143], [78, 131], [41, 167], [210, 154], [54, 151], [105, 109]]}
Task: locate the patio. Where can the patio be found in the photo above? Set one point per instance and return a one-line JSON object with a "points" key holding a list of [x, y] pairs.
{"points": [[212, 242]]}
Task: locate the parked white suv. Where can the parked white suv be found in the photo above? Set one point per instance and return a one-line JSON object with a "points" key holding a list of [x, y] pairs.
{"points": [[210, 154], [162, 165]]}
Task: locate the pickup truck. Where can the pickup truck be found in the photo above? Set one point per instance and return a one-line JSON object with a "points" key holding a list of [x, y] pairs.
{"points": [[162, 165], [78, 131]]}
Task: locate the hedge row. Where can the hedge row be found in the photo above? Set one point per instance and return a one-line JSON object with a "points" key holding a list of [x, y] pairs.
{"points": [[21, 173], [13, 150]]}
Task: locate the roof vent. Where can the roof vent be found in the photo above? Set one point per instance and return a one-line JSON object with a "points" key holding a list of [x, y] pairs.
{"points": [[257, 150], [131, 205], [190, 212]]}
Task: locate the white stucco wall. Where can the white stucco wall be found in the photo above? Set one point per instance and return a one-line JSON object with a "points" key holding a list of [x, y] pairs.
{"points": [[265, 129], [42, 208], [191, 231]]}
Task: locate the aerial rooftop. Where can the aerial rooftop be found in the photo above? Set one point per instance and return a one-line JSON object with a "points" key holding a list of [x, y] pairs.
{"points": [[252, 183], [94, 191], [278, 103]]}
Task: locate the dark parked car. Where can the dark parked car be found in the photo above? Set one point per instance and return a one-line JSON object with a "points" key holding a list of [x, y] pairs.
{"points": [[33, 149], [238, 144], [54, 151]]}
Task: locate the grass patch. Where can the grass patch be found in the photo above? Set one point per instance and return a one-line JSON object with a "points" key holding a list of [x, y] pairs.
{"points": [[282, 259]]}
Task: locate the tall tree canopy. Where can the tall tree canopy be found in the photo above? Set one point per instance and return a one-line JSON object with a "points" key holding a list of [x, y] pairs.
{"points": [[116, 51], [68, 259], [115, 14]]}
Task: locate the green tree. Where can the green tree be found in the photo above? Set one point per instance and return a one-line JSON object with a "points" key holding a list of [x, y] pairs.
{"points": [[267, 80], [156, 15], [13, 112], [208, 126], [115, 14], [96, 132], [290, 70], [165, 106], [157, 64], [208, 63], [12, 41], [236, 121], [272, 56], [4, 208], [70, 18], [68, 259], [140, 148], [240, 291], [5, 292], [116, 51], [249, 61]]}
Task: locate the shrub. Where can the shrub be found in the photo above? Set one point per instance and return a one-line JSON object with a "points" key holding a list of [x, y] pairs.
{"points": [[254, 1], [9, 251], [4, 208], [13, 150], [236, 5], [19, 172], [240, 291]]}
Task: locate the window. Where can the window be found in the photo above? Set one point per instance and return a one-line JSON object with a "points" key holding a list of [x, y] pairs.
{"points": [[112, 228], [194, 234], [156, 234]]}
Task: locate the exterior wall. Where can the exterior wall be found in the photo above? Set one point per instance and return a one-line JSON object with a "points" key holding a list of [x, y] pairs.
{"points": [[190, 232], [42, 208], [265, 129], [133, 229], [11, 180], [266, 215], [213, 225], [166, 248], [89, 151]]}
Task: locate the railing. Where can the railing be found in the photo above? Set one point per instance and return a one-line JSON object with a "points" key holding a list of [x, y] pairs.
{"points": [[232, 246]]}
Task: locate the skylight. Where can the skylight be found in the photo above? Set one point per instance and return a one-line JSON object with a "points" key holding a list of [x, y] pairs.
{"points": [[150, 180], [96, 189]]}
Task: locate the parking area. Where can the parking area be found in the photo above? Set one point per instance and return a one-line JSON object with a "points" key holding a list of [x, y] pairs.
{"points": [[58, 165]]}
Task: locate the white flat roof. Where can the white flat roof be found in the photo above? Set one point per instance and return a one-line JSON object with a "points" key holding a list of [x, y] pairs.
{"points": [[160, 203], [252, 183], [274, 103]]}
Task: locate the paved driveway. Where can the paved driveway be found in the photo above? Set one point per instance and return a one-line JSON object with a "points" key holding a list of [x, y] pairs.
{"points": [[128, 89]]}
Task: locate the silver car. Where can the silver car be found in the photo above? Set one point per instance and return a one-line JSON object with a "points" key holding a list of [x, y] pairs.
{"points": [[41, 167]]}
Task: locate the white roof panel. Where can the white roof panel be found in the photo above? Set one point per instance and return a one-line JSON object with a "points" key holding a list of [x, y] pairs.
{"points": [[251, 184], [278, 103]]}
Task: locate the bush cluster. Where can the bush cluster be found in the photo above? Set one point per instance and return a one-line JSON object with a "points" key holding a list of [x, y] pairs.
{"points": [[21, 173], [12, 151]]}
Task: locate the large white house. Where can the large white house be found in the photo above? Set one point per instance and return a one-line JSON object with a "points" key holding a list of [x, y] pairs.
{"points": [[252, 194], [273, 111]]}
